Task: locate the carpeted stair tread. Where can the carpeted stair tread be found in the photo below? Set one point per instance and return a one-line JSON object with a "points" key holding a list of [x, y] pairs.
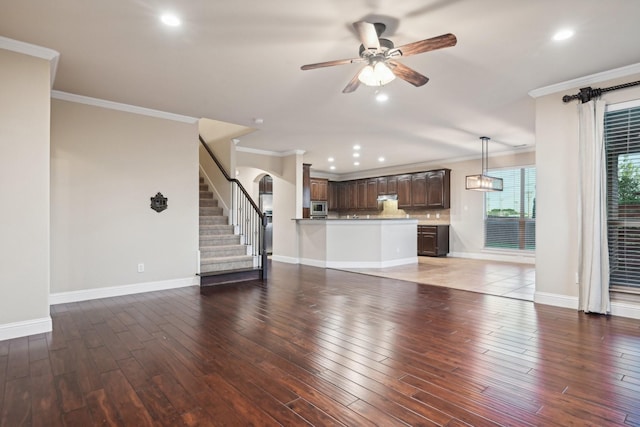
{"points": [[215, 229], [226, 263]]}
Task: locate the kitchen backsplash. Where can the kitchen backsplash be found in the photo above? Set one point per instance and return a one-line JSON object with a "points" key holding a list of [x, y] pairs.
{"points": [[390, 210]]}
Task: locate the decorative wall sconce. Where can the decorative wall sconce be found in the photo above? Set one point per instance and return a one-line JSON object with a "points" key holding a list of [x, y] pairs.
{"points": [[159, 203]]}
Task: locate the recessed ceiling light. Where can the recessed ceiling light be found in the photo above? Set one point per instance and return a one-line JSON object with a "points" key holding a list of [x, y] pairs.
{"points": [[170, 19], [356, 147], [563, 35], [382, 97], [331, 159], [381, 159], [356, 154], [332, 167], [356, 163]]}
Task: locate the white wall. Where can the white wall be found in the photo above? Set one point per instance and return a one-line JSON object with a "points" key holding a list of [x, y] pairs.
{"points": [[24, 194], [557, 183], [105, 167]]}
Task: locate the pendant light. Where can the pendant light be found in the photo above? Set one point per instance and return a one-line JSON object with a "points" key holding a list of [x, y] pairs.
{"points": [[484, 182]]}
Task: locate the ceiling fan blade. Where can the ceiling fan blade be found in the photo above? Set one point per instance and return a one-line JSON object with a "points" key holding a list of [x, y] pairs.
{"points": [[407, 74], [368, 34], [353, 84], [331, 63], [445, 40]]}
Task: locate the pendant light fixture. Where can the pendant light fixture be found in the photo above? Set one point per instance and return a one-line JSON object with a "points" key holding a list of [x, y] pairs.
{"points": [[484, 182]]}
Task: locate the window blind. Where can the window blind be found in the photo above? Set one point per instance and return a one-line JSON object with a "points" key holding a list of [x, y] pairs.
{"points": [[510, 214], [622, 145]]}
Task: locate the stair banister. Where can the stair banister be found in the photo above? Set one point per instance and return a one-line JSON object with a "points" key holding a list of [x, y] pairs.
{"points": [[245, 214]]}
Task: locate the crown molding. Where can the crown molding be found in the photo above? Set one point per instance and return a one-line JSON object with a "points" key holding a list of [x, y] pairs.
{"points": [[32, 50], [269, 153], [80, 99], [586, 81]]}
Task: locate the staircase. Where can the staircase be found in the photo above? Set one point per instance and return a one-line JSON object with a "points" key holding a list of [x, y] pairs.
{"points": [[222, 254]]}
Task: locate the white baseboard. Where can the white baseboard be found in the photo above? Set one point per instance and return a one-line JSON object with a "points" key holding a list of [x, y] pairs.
{"points": [[495, 256], [116, 291], [371, 264], [25, 328], [556, 300], [313, 262], [287, 259], [622, 309], [625, 309]]}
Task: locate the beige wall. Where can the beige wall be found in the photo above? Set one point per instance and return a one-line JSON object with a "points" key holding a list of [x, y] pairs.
{"points": [[24, 190], [557, 183], [105, 166]]}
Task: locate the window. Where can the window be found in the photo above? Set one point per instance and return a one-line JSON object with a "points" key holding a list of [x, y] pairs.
{"points": [[622, 145], [510, 214]]}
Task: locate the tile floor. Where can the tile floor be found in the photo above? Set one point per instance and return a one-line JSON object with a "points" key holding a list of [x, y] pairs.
{"points": [[489, 277]]}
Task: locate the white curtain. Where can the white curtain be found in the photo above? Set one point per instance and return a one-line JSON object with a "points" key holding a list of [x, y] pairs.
{"points": [[593, 252]]}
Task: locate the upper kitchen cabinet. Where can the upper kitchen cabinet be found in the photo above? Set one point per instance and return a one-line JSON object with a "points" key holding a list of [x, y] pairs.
{"points": [[392, 185], [265, 186], [438, 184], [382, 185], [372, 193], [427, 190], [403, 190], [419, 190], [319, 189], [333, 195]]}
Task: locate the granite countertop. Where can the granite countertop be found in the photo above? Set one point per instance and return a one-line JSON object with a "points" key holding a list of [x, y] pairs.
{"points": [[357, 219], [432, 222]]}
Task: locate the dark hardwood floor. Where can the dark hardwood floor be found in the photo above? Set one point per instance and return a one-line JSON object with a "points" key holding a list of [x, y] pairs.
{"points": [[322, 347]]}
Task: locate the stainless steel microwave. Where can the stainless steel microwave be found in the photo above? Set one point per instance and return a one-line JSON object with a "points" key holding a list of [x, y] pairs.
{"points": [[318, 209]]}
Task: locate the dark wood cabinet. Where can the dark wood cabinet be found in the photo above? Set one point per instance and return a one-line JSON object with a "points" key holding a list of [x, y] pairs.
{"points": [[372, 193], [343, 196], [362, 194], [265, 186], [392, 185], [433, 240], [319, 189], [352, 194], [419, 190], [382, 185], [438, 184], [404, 191], [332, 190]]}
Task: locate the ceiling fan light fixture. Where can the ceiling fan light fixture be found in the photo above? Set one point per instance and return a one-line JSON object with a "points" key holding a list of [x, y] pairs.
{"points": [[378, 74]]}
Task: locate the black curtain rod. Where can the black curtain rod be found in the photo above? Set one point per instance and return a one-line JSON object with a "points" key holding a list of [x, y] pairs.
{"points": [[588, 93]]}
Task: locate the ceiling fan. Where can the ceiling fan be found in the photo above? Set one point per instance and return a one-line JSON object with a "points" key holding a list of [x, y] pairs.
{"points": [[380, 56]]}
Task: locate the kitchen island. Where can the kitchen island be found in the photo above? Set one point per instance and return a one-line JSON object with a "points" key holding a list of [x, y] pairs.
{"points": [[357, 243]]}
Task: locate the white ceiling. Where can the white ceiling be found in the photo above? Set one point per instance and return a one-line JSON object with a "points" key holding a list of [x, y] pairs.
{"points": [[236, 61]]}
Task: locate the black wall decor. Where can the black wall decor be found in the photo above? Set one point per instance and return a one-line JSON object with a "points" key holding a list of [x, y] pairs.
{"points": [[159, 202]]}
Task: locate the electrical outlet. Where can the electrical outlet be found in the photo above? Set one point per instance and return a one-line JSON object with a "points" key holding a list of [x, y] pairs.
{"points": [[140, 268], [577, 279]]}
